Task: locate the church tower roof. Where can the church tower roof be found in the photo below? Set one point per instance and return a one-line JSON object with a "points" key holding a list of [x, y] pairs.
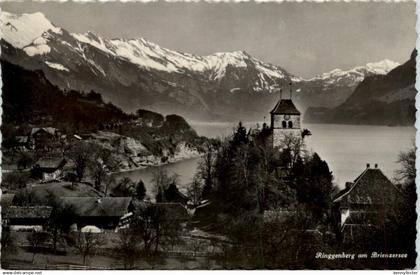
{"points": [[285, 107]]}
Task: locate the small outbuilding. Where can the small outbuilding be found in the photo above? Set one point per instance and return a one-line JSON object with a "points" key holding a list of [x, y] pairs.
{"points": [[48, 168]]}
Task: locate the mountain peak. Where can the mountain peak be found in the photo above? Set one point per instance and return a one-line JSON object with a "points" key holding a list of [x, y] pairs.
{"points": [[21, 30], [382, 67]]}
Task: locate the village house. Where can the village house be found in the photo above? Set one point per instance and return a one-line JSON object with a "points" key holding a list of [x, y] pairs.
{"points": [[173, 195], [105, 213], [48, 169], [363, 204], [44, 138], [175, 212], [27, 217], [21, 142], [172, 211]]}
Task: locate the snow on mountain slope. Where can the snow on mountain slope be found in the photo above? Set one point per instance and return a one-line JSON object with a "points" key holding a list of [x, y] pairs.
{"points": [[356, 74], [23, 30], [56, 66], [150, 55], [135, 73]]}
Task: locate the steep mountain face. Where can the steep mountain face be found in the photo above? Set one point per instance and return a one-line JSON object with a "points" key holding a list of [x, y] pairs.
{"points": [[379, 99], [137, 73]]}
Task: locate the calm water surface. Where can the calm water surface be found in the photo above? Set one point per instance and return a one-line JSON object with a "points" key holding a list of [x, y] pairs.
{"points": [[346, 148]]}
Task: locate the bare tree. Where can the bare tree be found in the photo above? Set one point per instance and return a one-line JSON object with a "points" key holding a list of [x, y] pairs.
{"points": [[294, 146], [195, 191], [98, 173], [147, 223], [206, 169], [87, 243], [36, 239], [127, 247], [60, 220], [8, 242], [161, 181], [407, 172], [81, 153]]}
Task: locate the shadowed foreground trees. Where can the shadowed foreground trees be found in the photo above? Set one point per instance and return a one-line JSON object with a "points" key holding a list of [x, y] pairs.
{"points": [[87, 244]]}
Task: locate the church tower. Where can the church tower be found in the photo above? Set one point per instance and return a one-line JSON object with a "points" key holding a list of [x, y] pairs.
{"points": [[285, 120]]}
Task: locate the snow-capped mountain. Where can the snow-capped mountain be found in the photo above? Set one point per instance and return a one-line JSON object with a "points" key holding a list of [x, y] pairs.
{"points": [[355, 75], [387, 99], [136, 73]]}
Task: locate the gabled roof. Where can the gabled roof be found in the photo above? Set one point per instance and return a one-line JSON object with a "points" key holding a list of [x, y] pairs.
{"points": [[52, 163], [172, 211], [21, 139], [28, 212], [285, 106], [49, 130], [98, 207], [370, 175]]}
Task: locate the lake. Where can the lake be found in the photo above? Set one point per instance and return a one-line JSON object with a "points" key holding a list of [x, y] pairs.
{"points": [[346, 148]]}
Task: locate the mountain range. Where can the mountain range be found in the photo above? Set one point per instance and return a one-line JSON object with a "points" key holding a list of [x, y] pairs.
{"points": [[379, 99], [136, 73]]}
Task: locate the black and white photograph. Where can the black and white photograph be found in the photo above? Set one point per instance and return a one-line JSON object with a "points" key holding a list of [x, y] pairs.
{"points": [[208, 135]]}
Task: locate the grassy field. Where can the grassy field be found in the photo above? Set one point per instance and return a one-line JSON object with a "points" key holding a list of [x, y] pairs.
{"points": [[190, 253]]}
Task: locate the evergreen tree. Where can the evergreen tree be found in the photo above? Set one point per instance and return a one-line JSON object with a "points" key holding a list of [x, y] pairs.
{"points": [[140, 190]]}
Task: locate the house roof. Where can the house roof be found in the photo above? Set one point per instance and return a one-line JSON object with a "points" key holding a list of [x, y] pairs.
{"points": [[98, 207], [49, 130], [361, 217], [173, 211], [21, 139], [28, 212], [369, 175], [52, 163], [285, 106]]}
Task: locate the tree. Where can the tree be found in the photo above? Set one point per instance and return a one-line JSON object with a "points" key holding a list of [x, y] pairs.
{"points": [[195, 191], [407, 173], [313, 181], [98, 173], [140, 190], [24, 160], [127, 246], [407, 216], [60, 220], [109, 182], [15, 180], [147, 223], [36, 239], [125, 188], [8, 241], [87, 243], [161, 181], [292, 148], [171, 193], [206, 170], [81, 153]]}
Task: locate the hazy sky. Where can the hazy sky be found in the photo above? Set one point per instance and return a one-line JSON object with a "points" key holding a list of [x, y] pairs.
{"points": [[304, 38]]}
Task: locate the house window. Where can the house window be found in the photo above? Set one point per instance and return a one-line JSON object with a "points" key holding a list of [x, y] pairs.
{"points": [[290, 124], [284, 124]]}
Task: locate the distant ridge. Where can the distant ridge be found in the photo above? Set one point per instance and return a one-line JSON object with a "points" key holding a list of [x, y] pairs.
{"points": [[137, 73]]}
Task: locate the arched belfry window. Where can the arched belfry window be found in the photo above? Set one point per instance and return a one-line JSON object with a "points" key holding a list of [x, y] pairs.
{"points": [[284, 123], [290, 124]]}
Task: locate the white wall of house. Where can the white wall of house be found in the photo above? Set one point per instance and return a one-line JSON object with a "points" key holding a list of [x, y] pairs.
{"points": [[51, 176]]}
